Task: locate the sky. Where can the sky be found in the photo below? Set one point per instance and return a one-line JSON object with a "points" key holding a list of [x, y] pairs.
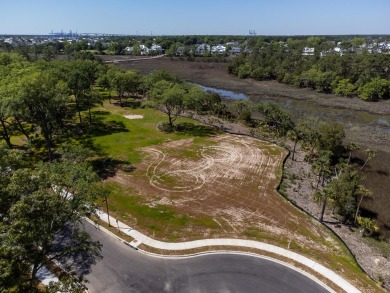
{"points": [[196, 17]]}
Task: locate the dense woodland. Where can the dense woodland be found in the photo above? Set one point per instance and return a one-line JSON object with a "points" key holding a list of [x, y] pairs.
{"points": [[356, 73], [49, 105]]}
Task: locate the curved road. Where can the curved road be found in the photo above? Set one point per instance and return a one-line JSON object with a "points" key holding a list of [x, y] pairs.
{"points": [[124, 269]]}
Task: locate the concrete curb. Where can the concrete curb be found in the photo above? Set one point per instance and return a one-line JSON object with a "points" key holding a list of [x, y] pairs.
{"points": [[140, 238]]}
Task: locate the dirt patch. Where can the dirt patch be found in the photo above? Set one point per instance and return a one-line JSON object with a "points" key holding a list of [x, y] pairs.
{"points": [[131, 117]]}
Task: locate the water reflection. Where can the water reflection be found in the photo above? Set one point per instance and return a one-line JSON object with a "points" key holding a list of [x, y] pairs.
{"points": [[223, 93]]}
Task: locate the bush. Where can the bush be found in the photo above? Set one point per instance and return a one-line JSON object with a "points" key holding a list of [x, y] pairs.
{"points": [[244, 71], [165, 127], [376, 89], [367, 225]]}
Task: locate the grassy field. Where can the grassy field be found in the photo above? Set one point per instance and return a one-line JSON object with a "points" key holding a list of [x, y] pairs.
{"points": [[203, 184]]}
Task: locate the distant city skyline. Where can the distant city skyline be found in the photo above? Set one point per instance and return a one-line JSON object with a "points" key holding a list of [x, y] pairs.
{"points": [[217, 17]]}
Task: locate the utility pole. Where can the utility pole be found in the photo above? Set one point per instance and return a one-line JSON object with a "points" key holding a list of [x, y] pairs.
{"points": [[108, 214]]}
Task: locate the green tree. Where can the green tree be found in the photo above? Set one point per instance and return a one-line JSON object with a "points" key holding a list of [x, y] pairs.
{"points": [[322, 166], [42, 222], [80, 76], [295, 134], [169, 98], [5, 120], [323, 196], [125, 83], [10, 106], [242, 108], [368, 225], [276, 119], [44, 100], [370, 155], [350, 148], [344, 87], [362, 193], [331, 137], [345, 190], [376, 89]]}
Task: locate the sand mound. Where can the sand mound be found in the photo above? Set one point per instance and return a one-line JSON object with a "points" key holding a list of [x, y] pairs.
{"points": [[133, 116]]}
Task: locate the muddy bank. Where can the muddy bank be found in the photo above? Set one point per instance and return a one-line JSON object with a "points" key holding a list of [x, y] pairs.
{"points": [[367, 124]]}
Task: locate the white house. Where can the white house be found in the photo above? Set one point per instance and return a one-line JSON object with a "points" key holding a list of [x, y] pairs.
{"points": [[218, 49], [339, 50], [156, 48], [308, 51], [144, 50]]}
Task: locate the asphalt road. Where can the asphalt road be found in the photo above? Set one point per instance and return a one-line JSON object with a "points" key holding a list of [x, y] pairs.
{"points": [[124, 269]]}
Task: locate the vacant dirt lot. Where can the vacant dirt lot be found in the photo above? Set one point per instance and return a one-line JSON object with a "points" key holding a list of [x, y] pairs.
{"points": [[231, 178]]}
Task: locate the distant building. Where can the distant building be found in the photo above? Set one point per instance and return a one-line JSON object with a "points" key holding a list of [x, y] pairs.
{"points": [[156, 48], [235, 50], [180, 51], [308, 51], [233, 44], [339, 50], [202, 49], [218, 49], [9, 41]]}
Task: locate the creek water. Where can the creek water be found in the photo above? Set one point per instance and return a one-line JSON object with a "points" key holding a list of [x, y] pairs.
{"points": [[223, 93]]}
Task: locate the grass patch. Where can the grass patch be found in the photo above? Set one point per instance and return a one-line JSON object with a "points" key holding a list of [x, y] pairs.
{"points": [[125, 136], [159, 220]]}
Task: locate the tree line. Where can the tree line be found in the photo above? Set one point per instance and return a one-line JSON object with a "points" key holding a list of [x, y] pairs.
{"points": [[353, 74]]}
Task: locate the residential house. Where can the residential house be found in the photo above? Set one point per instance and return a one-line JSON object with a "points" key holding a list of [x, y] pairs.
{"points": [[202, 49], [339, 51], [156, 48], [180, 51], [218, 49], [308, 51], [235, 50], [144, 50]]}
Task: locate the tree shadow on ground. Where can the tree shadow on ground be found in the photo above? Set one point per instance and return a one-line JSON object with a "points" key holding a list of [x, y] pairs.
{"points": [[131, 103], [82, 251], [195, 130], [101, 128], [108, 167], [128, 102]]}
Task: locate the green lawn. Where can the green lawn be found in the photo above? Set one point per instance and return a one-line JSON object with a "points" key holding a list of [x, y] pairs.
{"points": [[131, 135]]}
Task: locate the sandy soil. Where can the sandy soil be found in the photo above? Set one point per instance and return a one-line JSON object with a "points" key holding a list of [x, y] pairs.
{"points": [[133, 116]]}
